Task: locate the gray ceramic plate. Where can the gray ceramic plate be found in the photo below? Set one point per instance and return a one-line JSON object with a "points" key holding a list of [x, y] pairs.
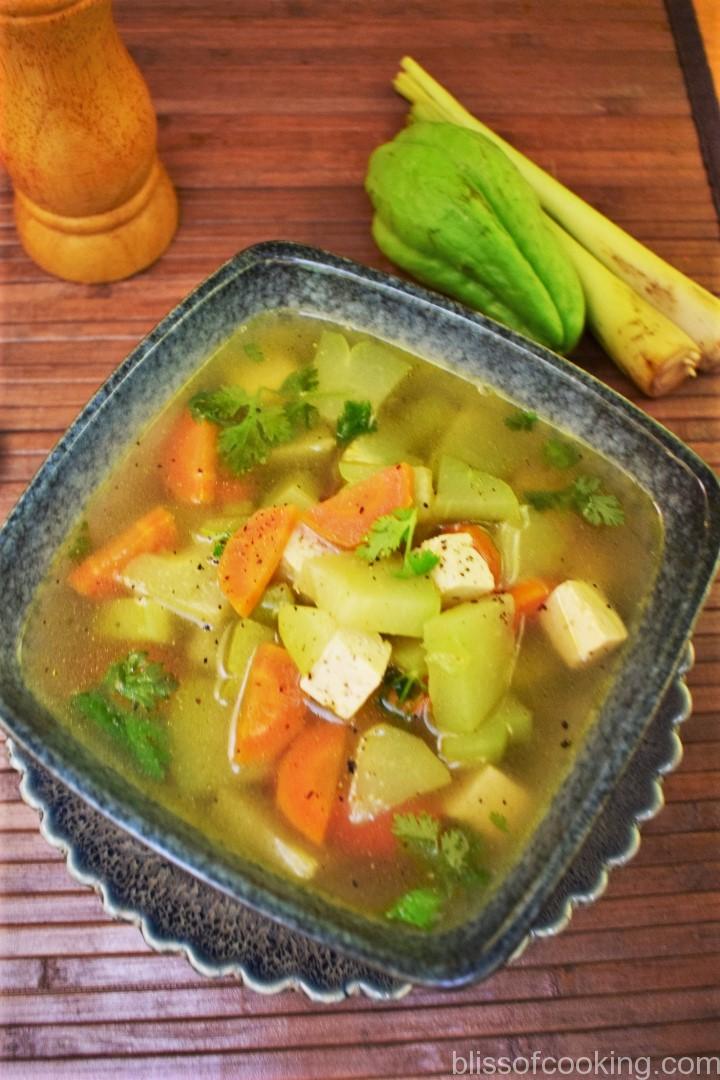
{"points": [[283, 275], [220, 936]]}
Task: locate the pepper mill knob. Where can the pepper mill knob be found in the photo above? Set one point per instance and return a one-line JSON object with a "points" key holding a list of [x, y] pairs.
{"points": [[93, 202]]}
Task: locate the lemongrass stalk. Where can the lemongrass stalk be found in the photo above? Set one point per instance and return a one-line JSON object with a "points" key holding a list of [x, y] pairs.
{"points": [[653, 351], [679, 298]]}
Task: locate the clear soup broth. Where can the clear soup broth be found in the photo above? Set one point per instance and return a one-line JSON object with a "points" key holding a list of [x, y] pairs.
{"points": [[348, 614]]}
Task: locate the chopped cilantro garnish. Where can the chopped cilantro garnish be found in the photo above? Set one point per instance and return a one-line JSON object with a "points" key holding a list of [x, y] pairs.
{"points": [[585, 497], [561, 454], [499, 821], [252, 424], [452, 858], [418, 907], [219, 542], [521, 421], [356, 419], [253, 352], [143, 684], [81, 544], [392, 532]]}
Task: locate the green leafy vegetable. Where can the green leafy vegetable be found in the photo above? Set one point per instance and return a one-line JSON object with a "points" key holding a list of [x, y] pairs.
{"points": [[253, 352], [355, 419], [406, 684], [140, 681], [499, 821], [81, 544], [219, 543], [585, 497], [252, 424], [418, 907], [390, 533], [452, 857], [143, 684], [521, 421], [561, 454]]}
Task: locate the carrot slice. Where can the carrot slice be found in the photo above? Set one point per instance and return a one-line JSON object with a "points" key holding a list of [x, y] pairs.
{"points": [[529, 597], [374, 838], [346, 517], [190, 460], [252, 555], [308, 776], [96, 576], [483, 544], [272, 710]]}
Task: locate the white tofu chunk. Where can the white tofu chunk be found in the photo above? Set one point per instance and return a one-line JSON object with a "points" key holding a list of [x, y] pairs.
{"points": [[303, 544], [462, 573], [489, 801], [350, 667], [580, 622]]}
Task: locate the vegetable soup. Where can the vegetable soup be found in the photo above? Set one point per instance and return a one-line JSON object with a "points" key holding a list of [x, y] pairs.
{"points": [[347, 613]]}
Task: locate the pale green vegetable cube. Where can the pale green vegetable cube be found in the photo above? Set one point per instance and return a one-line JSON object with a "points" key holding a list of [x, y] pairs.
{"points": [[246, 636], [199, 734], [369, 596], [215, 528], [271, 601], [369, 453], [129, 619], [509, 724], [308, 450], [423, 494], [202, 644], [467, 494], [544, 543], [470, 651], [367, 372], [408, 654], [252, 829], [186, 584], [392, 766], [301, 490], [305, 631]]}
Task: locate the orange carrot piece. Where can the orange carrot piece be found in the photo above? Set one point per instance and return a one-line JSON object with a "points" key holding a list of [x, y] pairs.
{"points": [[308, 776], [191, 460], [345, 518], [483, 544], [96, 576], [272, 710], [231, 489], [374, 838], [252, 555], [529, 596]]}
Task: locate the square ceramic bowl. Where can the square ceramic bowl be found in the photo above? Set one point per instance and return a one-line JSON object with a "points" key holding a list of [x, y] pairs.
{"points": [[278, 275]]}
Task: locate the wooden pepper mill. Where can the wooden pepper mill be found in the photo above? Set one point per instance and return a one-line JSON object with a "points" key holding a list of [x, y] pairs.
{"points": [[78, 136]]}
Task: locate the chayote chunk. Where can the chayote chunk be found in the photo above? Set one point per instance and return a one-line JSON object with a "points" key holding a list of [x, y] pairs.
{"points": [[452, 210]]}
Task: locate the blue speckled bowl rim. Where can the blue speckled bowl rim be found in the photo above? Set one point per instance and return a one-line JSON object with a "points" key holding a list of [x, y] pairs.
{"points": [[613, 841], [373, 300]]}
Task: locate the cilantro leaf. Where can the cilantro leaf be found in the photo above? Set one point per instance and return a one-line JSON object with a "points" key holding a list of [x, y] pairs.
{"points": [[219, 406], [253, 352], [388, 533], [140, 681], [143, 684], [521, 421], [418, 563], [148, 743], [418, 907], [561, 454], [80, 545], [406, 684], [499, 821], [356, 419], [585, 497], [418, 832], [302, 381], [249, 442], [219, 542], [455, 848]]}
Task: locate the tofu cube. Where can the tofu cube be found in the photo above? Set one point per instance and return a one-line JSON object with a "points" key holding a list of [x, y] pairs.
{"points": [[349, 669], [580, 622], [303, 544], [488, 800], [462, 573]]}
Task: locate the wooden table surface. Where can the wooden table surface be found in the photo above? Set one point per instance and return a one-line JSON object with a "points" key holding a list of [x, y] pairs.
{"points": [[267, 113]]}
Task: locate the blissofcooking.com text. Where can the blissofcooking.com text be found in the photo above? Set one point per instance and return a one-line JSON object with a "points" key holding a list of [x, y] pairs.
{"points": [[593, 1064]]}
